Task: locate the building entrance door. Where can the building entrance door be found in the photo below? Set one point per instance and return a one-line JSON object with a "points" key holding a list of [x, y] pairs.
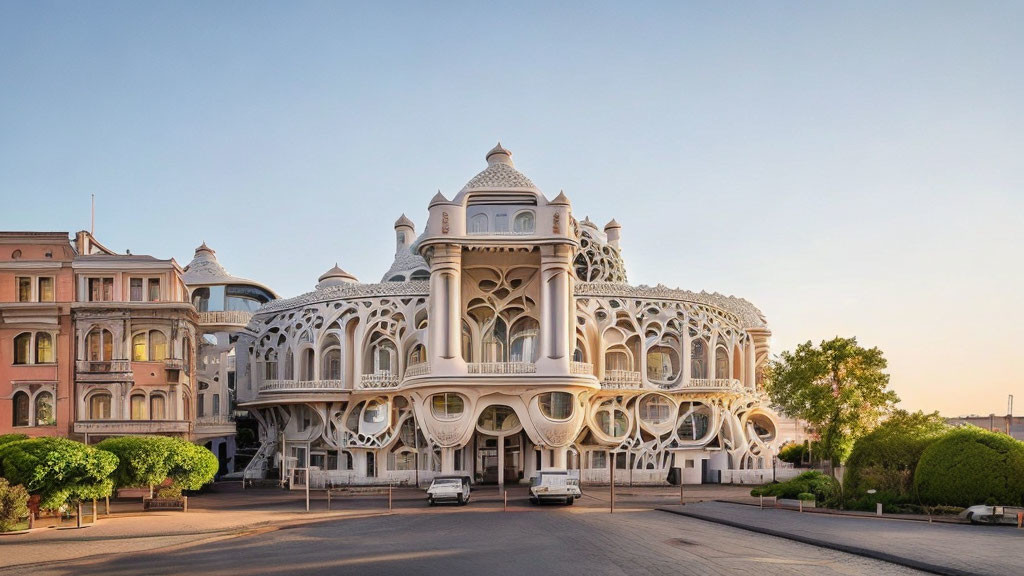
{"points": [[513, 458], [487, 459], [499, 459]]}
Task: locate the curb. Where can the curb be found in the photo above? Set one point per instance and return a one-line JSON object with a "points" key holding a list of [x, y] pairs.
{"points": [[855, 550], [856, 514]]}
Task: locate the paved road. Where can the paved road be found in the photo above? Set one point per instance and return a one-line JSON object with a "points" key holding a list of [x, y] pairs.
{"points": [[484, 540], [988, 550]]}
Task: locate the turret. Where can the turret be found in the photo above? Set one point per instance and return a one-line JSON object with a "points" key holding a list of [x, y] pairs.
{"points": [[405, 234], [613, 230], [335, 277]]}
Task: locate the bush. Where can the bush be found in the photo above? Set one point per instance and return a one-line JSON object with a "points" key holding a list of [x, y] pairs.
{"points": [[969, 466], [6, 438], [793, 453], [172, 492], [885, 459], [805, 496], [13, 505], [192, 466], [142, 460], [58, 469], [824, 488]]}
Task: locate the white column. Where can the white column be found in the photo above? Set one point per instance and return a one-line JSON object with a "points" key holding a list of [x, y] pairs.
{"points": [[555, 308], [749, 365], [447, 460], [712, 356], [501, 460], [445, 326], [558, 457], [687, 364]]}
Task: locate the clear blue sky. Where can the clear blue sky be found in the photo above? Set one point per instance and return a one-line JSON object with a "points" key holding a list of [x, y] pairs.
{"points": [[851, 168]]}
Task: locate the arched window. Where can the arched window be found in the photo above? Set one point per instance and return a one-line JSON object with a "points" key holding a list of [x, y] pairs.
{"points": [[186, 355], [655, 409], [556, 405], [523, 342], [138, 406], [306, 366], [23, 351], [478, 224], [663, 360], [289, 365], [140, 351], [21, 409], [44, 348], [270, 365], [612, 419], [375, 412], [699, 359], [99, 406], [157, 407], [467, 343], [498, 419], [578, 355], [524, 223], [420, 275], [384, 359], [694, 423], [495, 341], [332, 364], [100, 345], [157, 346], [418, 355], [721, 362], [617, 359], [44, 409]]}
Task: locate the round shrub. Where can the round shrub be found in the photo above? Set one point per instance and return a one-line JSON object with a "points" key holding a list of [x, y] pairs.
{"points": [[142, 460], [192, 466], [792, 453], [58, 469], [6, 438], [970, 466], [13, 505]]}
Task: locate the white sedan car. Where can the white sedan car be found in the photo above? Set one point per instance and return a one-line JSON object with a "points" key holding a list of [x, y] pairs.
{"points": [[982, 514], [556, 485], [449, 489]]}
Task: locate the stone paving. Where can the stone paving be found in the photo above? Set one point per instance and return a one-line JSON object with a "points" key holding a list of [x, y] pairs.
{"points": [[947, 548]]}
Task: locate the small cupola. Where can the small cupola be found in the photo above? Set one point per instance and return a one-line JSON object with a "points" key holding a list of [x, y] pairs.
{"points": [[336, 277]]}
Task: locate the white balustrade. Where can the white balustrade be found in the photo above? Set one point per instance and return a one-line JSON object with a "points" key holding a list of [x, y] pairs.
{"points": [[625, 379], [421, 369], [581, 368], [502, 368], [378, 380], [301, 385]]}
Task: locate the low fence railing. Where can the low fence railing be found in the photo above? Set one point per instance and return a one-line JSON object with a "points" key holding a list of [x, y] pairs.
{"points": [[502, 368]]}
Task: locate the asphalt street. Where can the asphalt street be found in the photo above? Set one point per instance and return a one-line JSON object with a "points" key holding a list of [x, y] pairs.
{"points": [[485, 540]]}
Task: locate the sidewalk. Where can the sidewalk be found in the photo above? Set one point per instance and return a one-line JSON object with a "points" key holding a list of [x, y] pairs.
{"points": [[940, 548], [226, 511]]}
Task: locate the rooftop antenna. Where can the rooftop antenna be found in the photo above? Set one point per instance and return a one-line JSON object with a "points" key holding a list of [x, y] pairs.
{"points": [[92, 220], [1009, 406]]}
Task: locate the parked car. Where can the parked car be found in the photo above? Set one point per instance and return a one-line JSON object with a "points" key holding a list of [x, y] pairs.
{"points": [[555, 485], [982, 514], [449, 489]]}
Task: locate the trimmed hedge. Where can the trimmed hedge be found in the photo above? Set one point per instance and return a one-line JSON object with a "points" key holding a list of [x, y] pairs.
{"points": [[824, 488], [149, 460], [970, 466], [7, 438], [885, 459], [58, 469]]}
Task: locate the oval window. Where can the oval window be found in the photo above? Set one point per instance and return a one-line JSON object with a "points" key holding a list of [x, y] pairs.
{"points": [[556, 405], [447, 406]]}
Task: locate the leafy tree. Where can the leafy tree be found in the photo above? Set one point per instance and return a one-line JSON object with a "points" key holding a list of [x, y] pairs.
{"points": [[792, 453], [142, 460], [13, 505], [971, 466], [838, 388], [58, 469], [885, 459], [192, 466]]}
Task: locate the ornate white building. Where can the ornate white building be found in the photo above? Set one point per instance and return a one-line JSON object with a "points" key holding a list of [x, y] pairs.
{"points": [[503, 339]]}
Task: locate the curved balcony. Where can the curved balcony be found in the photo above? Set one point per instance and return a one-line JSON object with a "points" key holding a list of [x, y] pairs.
{"points": [[621, 380], [235, 317], [103, 371], [501, 368], [710, 384], [421, 369], [584, 368], [378, 381], [302, 386]]}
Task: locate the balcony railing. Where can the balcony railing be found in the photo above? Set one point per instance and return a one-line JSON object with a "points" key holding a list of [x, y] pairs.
{"points": [[174, 363], [421, 369], [103, 366], [378, 380], [713, 384], [132, 426], [301, 386], [239, 317], [625, 379], [217, 420], [502, 368], [584, 368]]}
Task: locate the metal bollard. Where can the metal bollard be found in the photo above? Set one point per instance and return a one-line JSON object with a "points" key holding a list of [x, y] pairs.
{"points": [[31, 520], [504, 504], [389, 497], [681, 503], [95, 510], [878, 509], [328, 499], [185, 503], [78, 516], [1020, 519], [106, 505], [801, 504]]}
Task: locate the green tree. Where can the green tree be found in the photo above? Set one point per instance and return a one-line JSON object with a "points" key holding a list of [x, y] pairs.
{"points": [[142, 460], [13, 505], [838, 388], [971, 466], [58, 469], [885, 459], [192, 466]]}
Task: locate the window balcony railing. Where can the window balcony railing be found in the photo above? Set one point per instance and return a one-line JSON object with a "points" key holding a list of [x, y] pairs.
{"points": [[378, 381], [713, 384], [301, 386], [121, 427], [174, 364], [584, 368], [237, 317], [624, 379], [103, 366], [216, 420], [502, 368], [421, 369]]}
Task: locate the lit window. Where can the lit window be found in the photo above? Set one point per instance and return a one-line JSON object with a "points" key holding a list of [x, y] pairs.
{"points": [[24, 289], [44, 348], [447, 406], [44, 409], [139, 348], [157, 346], [46, 290]]}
